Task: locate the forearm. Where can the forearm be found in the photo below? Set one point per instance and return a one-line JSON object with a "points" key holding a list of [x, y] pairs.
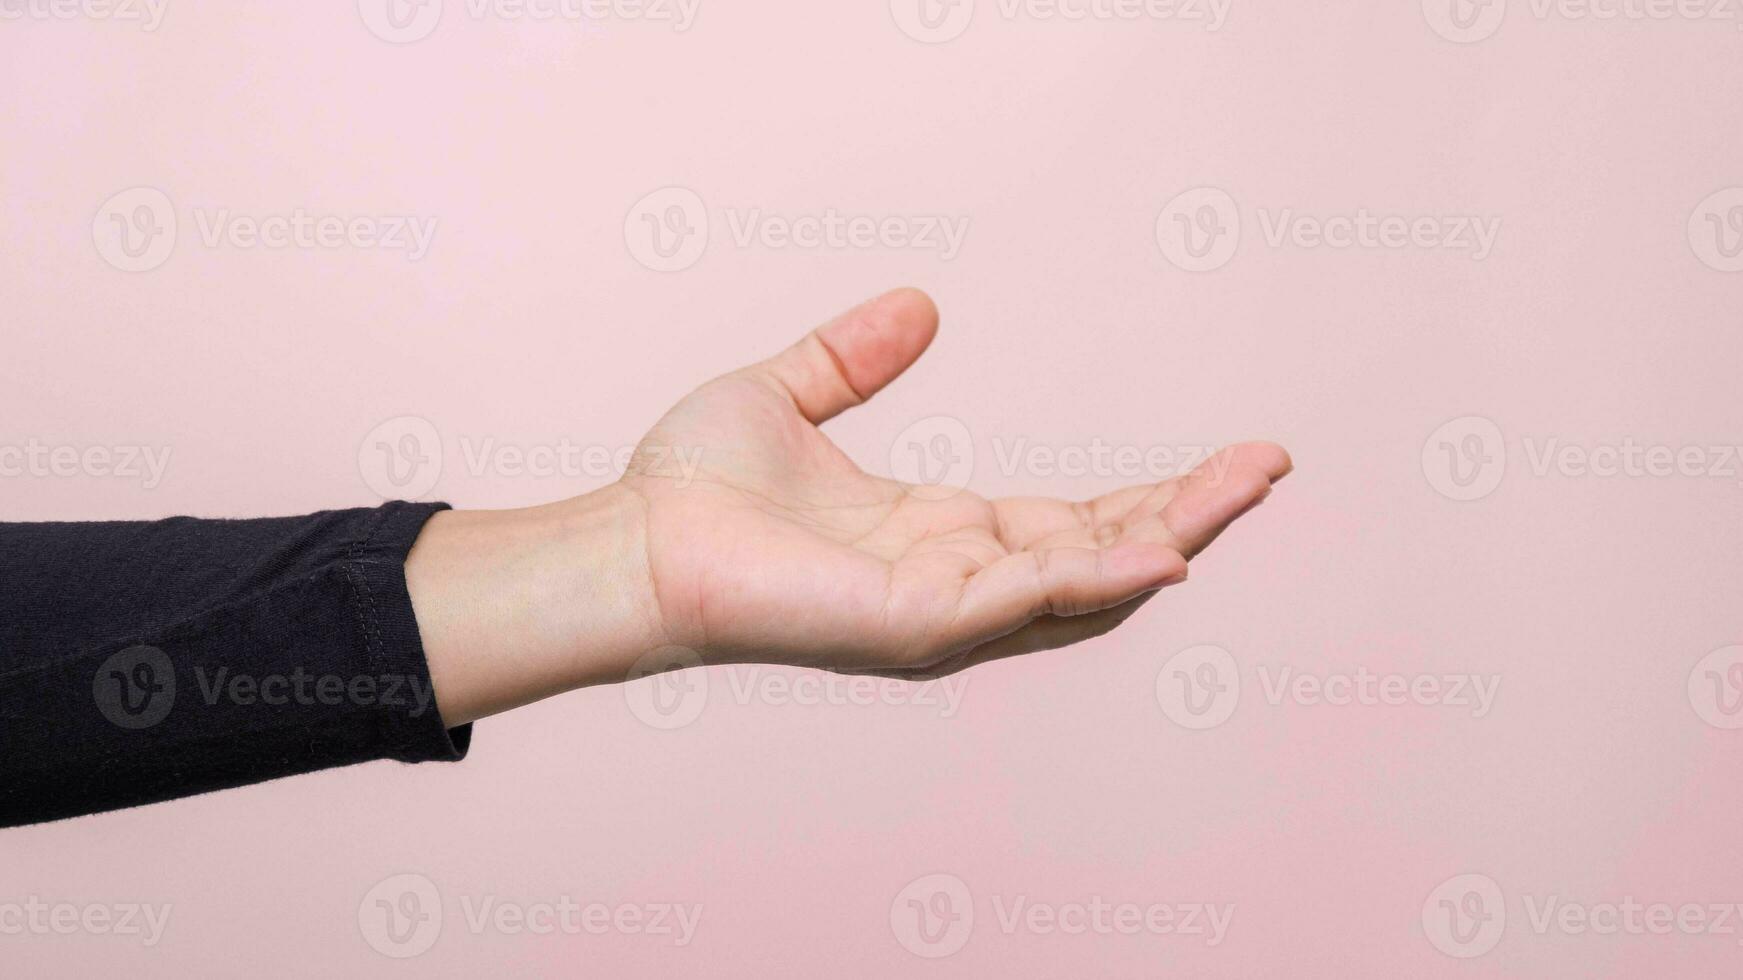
{"points": [[519, 605]]}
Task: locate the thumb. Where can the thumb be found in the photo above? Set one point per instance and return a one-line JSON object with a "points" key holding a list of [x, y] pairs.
{"points": [[852, 357]]}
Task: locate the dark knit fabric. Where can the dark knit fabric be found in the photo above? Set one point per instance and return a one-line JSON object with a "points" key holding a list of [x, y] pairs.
{"points": [[141, 661]]}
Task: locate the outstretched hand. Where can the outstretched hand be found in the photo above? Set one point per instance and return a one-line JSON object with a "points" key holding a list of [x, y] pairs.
{"points": [[779, 548], [772, 546]]}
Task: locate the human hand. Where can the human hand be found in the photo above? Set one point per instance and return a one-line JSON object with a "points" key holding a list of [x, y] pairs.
{"points": [[773, 546]]}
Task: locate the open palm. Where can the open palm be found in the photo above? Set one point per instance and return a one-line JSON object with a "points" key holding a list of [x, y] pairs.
{"points": [[775, 547]]}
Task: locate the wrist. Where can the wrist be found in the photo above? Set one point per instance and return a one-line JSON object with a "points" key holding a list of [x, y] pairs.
{"points": [[518, 605]]}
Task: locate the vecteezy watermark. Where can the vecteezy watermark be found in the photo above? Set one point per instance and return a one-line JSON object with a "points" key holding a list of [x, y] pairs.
{"points": [[667, 689], [402, 916], [1464, 21], [407, 21], [137, 687], [1201, 229], [142, 921], [1200, 687], [1469, 21], [38, 460], [410, 692], [1467, 458], [937, 21], [402, 458], [137, 230], [934, 916], [1716, 230], [1466, 916], [1715, 688], [148, 14], [668, 230], [936, 455]]}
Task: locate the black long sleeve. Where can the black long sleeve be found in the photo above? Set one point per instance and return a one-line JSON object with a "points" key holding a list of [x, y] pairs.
{"points": [[141, 661]]}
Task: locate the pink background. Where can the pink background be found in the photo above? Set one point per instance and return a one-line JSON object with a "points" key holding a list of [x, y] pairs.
{"points": [[1595, 320]]}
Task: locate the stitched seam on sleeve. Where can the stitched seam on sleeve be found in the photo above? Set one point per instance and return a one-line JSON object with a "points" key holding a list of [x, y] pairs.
{"points": [[364, 607]]}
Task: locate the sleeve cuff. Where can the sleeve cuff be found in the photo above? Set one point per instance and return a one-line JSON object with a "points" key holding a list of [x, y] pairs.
{"points": [[412, 731]]}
